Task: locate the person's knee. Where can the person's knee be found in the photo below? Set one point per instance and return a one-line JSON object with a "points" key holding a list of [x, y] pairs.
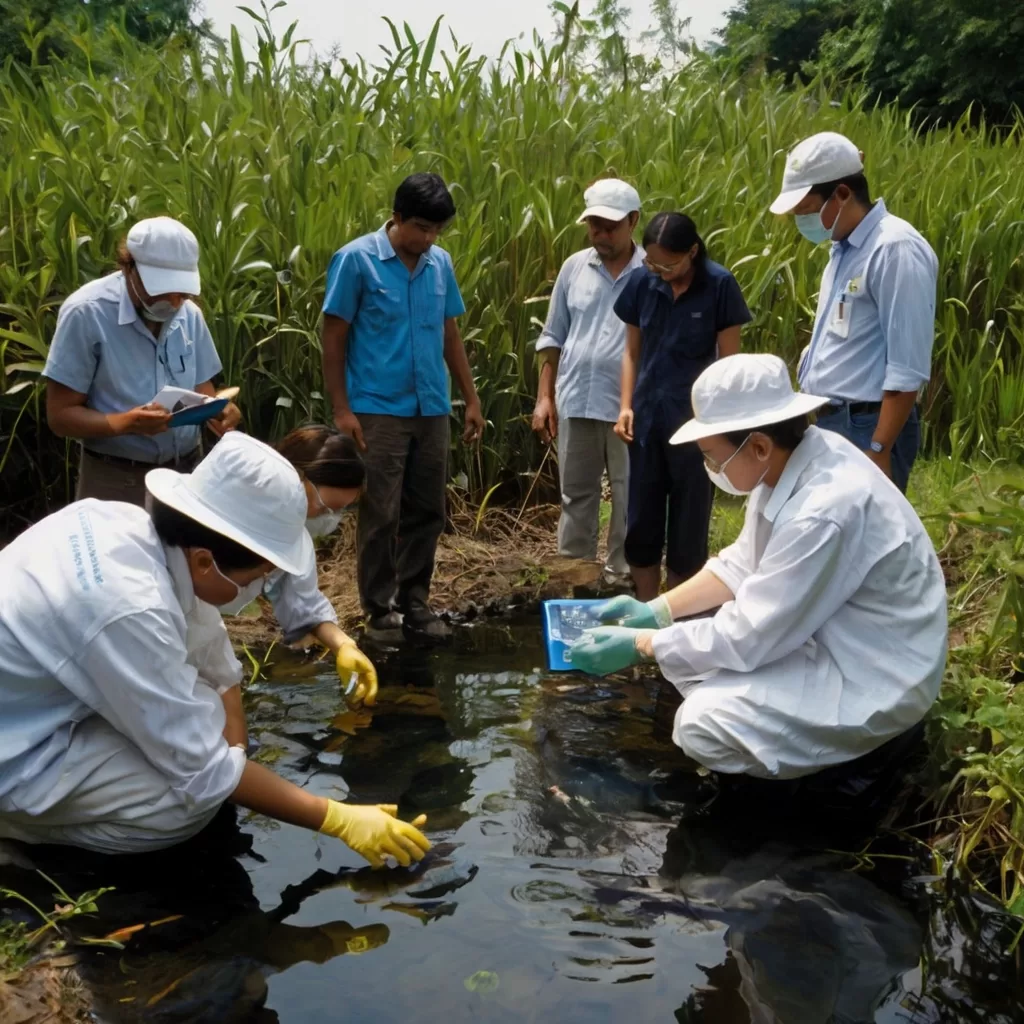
{"points": [[700, 734]]}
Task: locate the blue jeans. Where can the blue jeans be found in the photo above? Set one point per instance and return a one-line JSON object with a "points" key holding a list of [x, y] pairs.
{"points": [[859, 428]]}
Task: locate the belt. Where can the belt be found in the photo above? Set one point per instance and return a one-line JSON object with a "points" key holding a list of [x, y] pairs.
{"points": [[117, 460], [835, 405]]}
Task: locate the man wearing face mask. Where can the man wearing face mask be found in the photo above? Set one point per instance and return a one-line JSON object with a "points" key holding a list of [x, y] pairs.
{"points": [[871, 346], [829, 638], [119, 341], [121, 727]]}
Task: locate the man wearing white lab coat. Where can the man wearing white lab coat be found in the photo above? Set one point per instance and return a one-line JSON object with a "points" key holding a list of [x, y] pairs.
{"points": [[829, 638], [121, 726]]}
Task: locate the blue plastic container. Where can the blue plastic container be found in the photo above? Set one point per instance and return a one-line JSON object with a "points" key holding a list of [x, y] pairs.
{"points": [[564, 621]]}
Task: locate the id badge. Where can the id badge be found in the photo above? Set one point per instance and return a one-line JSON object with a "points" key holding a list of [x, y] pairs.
{"points": [[839, 325]]}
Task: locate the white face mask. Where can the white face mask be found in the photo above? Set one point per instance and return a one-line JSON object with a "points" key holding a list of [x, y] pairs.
{"points": [[244, 596], [324, 524], [720, 480], [160, 311]]}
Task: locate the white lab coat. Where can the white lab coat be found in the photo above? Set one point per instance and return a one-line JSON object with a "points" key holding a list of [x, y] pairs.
{"points": [[835, 641], [110, 669], [298, 605]]}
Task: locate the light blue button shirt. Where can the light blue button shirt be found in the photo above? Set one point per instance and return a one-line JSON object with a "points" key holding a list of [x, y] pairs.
{"points": [[582, 323], [103, 350], [394, 358], [875, 324]]}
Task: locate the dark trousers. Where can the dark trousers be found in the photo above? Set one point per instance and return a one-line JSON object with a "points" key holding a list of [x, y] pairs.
{"points": [[859, 428], [402, 511], [667, 479]]}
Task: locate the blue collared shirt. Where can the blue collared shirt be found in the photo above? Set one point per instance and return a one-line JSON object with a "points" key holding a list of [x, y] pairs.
{"points": [[680, 339], [875, 324], [582, 323], [394, 358], [103, 350]]}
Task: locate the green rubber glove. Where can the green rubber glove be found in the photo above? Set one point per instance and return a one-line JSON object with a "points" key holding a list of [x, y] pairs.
{"points": [[628, 611], [604, 650]]}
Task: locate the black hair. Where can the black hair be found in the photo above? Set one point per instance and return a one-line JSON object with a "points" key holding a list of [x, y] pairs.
{"points": [[785, 435], [424, 195], [324, 456], [177, 530], [675, 232], [856, 183]]}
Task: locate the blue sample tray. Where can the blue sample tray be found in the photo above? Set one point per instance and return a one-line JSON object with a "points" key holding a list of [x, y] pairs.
{"points": [[563, 622], [198, 413]]}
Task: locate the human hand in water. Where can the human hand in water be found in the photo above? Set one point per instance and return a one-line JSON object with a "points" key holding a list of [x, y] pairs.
{"points": [[628, 611], [607, 649], [375, 832]]}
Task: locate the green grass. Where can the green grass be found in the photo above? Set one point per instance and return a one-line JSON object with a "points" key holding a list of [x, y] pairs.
{"points": [[275, 164]]}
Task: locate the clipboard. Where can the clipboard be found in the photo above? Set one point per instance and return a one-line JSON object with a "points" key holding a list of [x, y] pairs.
{"points": [[196, 414]]}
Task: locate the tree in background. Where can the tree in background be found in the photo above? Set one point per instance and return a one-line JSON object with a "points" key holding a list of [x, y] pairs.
{"points": [[34, 31], [941, 57], [670, 32]]}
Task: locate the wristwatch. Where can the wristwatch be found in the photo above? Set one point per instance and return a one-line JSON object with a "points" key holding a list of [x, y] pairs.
{"points": [[877, 447]]}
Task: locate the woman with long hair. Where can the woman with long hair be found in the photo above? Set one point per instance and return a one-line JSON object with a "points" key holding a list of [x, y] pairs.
{"points": [[682, 311]]}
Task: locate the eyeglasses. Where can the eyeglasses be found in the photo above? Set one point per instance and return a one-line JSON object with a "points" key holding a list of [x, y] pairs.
{"points": [[661, 268], [718, 467]]}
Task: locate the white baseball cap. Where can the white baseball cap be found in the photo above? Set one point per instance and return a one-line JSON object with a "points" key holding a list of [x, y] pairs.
{"points": [[247, 492], [610, 199], [825, 157], [743, 392], [167, 256]]}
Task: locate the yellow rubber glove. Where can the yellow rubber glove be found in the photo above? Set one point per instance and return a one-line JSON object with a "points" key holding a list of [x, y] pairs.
{"points": [[374, 832], [351, 661]]}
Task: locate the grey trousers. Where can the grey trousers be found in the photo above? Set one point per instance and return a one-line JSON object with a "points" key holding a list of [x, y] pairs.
{"points": [[586, 448], [402, 511]]}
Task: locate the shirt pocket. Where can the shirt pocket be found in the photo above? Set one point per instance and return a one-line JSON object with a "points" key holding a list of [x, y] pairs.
{"points": [[383, 306], [180, 356], [431, 305], [694, 336], [841, 314]]}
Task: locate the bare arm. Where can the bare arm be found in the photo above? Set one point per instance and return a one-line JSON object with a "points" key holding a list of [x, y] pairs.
{"points": [[458, 364], [729, 341], [896, 408], [235, 731], [630, 362], [332, 636], [264, 792], [334, 341], [545, 415], [68, 416], [700, 593]]}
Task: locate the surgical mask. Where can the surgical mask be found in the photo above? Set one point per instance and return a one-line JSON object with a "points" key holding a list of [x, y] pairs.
{"points": [[244, 596], [810, 225], [720, 480], [324, 524], [160, 311]]}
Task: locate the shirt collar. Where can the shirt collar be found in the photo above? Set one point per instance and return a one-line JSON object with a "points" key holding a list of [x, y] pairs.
{"points": [[386, 251], [126, 312], [859, 235], [810, 447], [636, 260]]}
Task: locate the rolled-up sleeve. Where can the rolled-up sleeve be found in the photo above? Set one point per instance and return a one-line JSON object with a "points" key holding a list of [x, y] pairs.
{"points": [[72, 359], [556, 327], [135, 674], [298, 604], [805, 575], [209, 648], [903, 280]]}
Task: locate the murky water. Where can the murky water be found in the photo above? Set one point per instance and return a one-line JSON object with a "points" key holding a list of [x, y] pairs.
{"points": [[563, 885]]}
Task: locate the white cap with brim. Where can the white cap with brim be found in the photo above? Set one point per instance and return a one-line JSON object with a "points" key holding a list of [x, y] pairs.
{"points": [[166, 254], [825, 157], [743, 392], [610, 199], [247, 492]]}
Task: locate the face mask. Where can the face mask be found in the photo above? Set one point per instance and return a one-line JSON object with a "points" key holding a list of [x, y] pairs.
{"points": [[720, 480], [160, 312], [811, 227], [244, 596], [324, 524]]}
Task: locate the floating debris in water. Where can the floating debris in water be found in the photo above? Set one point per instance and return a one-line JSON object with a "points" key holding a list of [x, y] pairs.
{"points": [[483, 982]]}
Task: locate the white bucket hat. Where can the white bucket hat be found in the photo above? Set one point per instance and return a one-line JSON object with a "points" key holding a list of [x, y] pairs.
{"points": [[247, 492], [743, 392], [825, 157], [610, 199], [167, 256]]}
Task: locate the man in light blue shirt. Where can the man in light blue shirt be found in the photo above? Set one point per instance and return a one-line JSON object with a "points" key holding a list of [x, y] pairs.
{"points": [[389, 338], [871, 346], [119, 341], [580, 377]]}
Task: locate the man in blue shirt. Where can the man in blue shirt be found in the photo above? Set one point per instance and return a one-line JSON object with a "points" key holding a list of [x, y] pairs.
{"points": [[389, 333], [580, 376], [119, 341], [871, 346]]}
